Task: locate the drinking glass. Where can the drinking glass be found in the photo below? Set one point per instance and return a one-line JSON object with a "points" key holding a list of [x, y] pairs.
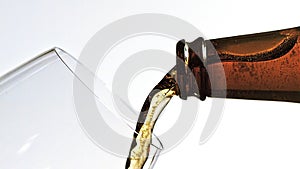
{"points": [[46, 121]]}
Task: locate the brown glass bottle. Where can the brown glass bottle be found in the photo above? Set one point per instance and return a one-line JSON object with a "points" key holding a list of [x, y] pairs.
{"points": [[264, 66]]}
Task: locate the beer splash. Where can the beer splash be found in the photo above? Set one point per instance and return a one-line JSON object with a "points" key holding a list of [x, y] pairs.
{"points": [[156, 101]]}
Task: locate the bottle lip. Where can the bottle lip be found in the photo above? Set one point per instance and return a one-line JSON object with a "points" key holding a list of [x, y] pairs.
{"points": [[191, 72]]}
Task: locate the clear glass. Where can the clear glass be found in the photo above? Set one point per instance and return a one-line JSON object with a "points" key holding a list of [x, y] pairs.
{"points": [[40, 127]]}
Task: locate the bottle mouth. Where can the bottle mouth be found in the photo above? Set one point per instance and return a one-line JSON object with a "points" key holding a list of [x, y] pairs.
{"points": [[192, 77]]}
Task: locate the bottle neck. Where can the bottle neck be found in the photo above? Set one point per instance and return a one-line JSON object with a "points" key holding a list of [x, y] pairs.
{"points": [[261, 66]]}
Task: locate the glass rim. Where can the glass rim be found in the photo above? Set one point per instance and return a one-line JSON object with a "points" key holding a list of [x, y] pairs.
{"points": [[41, 61]]}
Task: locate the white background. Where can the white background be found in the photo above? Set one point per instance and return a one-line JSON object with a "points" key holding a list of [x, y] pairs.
{"points": [[252, 134]]}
